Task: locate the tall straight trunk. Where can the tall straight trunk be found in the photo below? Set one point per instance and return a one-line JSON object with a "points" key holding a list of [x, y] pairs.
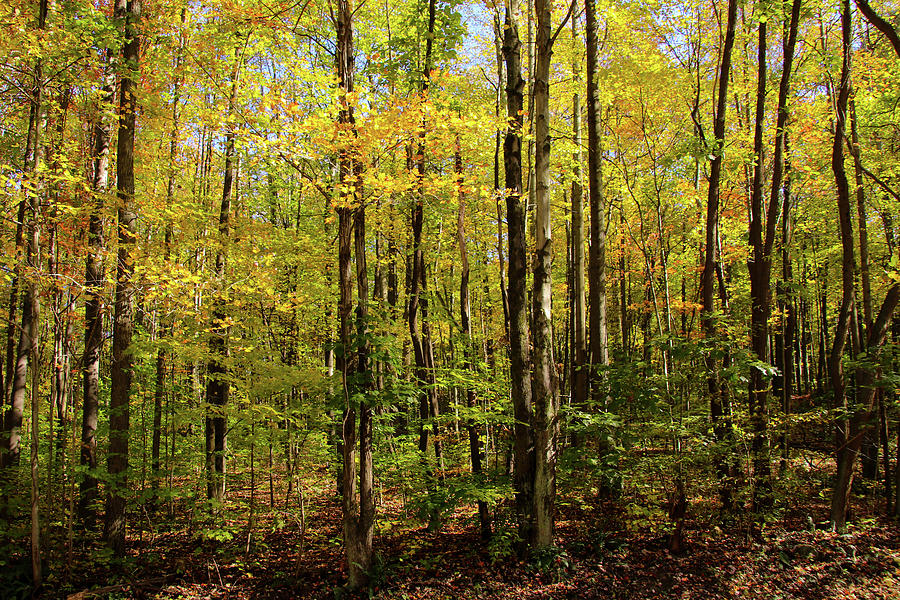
{"points": [[759, 267], [721, 418], [519, 343], [579, 311], [165, 327], [545, 392], [217, 386], [599, 337], [10, 450], [498, 145], [848, 261], [475, 450], [357, 497], [423, 350], [93, 304], [36, 575], [789, 310], [762, 237], [365, 524], [60, 303], [123, 325], [869, 450], [624, 295]]}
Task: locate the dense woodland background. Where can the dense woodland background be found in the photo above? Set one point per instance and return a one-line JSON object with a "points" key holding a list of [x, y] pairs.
{"points": [[425, 298]]}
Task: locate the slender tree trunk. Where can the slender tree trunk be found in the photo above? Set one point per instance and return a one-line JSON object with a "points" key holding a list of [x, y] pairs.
{"points": [[720, 416], [762, 237], [93, 304], [848, 262], [358, 500], [475, 450], [759, 266], [599, 338], [123, 326], [545, 392], [789, 309], [869, 449], [580, 367], [217, 386], [17, 375], [519, 343], [165, 328], [423, 350]]}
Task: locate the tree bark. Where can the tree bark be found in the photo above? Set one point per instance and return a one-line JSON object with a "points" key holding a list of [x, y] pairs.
{"points": [[721, 418], [357, 498], [10, 451], [545, 392], [217, 386], [599, 337], [580, 367], [93, 304], [475, 450], [123, 326], [519, 343], [165, 327], [762, 238]]}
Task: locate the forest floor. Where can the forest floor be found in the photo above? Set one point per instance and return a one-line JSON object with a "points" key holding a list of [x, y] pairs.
{"points": [[597, 559], [599, 556]]}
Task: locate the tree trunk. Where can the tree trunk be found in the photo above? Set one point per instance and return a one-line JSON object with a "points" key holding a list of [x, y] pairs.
{"points": [[848, 261], [721, 419], [358, 506], [545, 391], [599, 338], [165, 327], [519, 344], [93, 304], [217, 386], [789, 309], [580, 367], [423, 350], [10, 450], [475, 450], [762, 238], [123, 326]]}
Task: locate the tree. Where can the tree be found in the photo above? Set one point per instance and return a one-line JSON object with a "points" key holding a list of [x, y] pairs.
{"points": [[850, 440], [762, 239], [93, 280], [580, 374], [545, 392], [599, 337], [720, 410], [358, 506], [217, 386], [465, 323], [29, 222], [129, 12], [519, 338]]}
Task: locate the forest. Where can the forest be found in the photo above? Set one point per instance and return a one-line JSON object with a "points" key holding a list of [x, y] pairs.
{"points": [[450, 299]]}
